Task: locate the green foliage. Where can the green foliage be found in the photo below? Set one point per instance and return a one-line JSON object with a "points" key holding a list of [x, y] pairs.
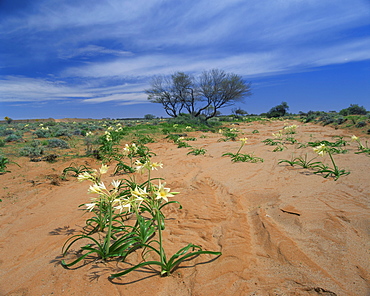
{"points": [[303, 162], [57, 143], [6, 131], [197, 123], [278, 111], [108, 145], [13, 138], [114, 208], [230, 134], [149, 116], [76, 169], [144, 139], [271, 142], [197, 151], [42, 133], [4, 161], [236, 157], [92, 142], [361, 148], [335, 147], [353, 109], [2, 143], [291, 140], [182, 144], [62, 132], [239, 157], [361, 124], [279, 148], [34, 149]]}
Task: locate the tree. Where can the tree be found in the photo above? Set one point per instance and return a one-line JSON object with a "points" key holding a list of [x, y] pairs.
{"points": [[8, 119], [149, 116], [204, 95], [239, 112], [353, 109], [278, 111]]}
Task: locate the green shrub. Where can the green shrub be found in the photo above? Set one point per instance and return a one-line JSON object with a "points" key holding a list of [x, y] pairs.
{"points": [[42, 133], [353, 109], [57, 143], [2, 143], [34, 149], [62, 133], [13, 138], [6, 131], [361, 124]]}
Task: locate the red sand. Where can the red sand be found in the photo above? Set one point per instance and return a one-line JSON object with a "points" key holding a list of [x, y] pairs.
{"points": [[282, 230]]}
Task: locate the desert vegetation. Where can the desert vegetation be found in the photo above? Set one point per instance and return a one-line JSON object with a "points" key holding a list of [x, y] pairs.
{"points": [[238, 184]]}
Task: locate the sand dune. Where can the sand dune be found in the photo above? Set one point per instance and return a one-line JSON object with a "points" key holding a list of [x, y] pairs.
{"points": [[282, 230]]}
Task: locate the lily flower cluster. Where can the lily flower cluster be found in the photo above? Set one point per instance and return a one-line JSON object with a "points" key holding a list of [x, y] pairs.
{"points": [[130, 150], [147, 165], [357, 139], [321, 149], [291, 129], [124, 202], [108, 136], [278, 135]]}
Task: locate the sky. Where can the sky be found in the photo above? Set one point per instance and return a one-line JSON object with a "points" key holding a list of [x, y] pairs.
{"points": [[95, 58]]}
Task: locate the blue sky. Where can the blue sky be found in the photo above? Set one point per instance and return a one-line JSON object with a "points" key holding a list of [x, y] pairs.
{"points": [[95, 58]]}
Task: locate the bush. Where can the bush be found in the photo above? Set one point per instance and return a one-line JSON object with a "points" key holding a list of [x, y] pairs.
{"points": [[327, 119], [13, 138], [339, 120], [361, 124], [34, 149], [6, 131], [79, 132], [57, 143], [42, 133], [353, 109], [149, 116], [278, 111], [2, 143], [62, 132]]}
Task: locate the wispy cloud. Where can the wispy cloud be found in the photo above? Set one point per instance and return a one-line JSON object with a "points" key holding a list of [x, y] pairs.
{"points": [[23, 89], [92, 51], [107, 50]]}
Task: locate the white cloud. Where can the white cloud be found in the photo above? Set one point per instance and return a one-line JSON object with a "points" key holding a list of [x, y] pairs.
{"points": [[91, 51], [126, 42], [23, 89], [124, 98], [246, 64]]}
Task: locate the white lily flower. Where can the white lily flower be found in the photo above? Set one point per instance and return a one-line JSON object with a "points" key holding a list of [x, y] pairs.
{"points": [[116, 183], [103, 169], [321, 149], [90, 206], [138, 192], [122, 207], [162, 192], [97, 188], [155, 165], [84, 176]]}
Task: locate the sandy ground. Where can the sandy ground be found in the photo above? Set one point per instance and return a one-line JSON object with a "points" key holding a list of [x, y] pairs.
{"points": [[282, 230]]}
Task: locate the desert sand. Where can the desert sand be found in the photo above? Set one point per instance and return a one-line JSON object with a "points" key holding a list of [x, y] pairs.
{"points": [[282, 230]]}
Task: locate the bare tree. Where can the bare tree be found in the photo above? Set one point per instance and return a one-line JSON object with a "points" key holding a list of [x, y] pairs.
{"points": [[162, 92], [214, 89]]}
